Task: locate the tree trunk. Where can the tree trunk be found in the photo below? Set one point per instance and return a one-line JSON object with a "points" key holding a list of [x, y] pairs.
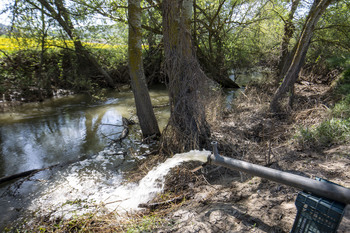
{"points": [[145, 114], [319, 6], [85, 59], [43, 83], [284, 60], [188, 86]]}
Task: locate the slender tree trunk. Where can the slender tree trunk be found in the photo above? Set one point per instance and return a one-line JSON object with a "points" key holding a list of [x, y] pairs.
{"points": [[188, 86], [319, 6], [145, 114], [285, 59], [42, 54], [61, 15]]}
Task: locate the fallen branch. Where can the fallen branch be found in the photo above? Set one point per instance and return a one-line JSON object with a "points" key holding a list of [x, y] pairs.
{"points": [[33, 171], [149, 138], [153, 206], [150, 153], [114, 125], [20, 175]]}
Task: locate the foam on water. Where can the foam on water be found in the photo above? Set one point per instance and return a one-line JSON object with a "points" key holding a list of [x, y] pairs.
{"points": [[82, 189]]}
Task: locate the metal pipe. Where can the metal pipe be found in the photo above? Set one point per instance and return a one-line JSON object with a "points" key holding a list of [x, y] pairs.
{"points": [[323, 189]]}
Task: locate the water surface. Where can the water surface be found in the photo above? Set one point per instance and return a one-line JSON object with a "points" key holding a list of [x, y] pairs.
{"points": [[75, 129], [39, 135]]}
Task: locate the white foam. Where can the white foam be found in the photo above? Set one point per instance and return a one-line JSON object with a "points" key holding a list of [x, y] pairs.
{"points": [[80, 190]]}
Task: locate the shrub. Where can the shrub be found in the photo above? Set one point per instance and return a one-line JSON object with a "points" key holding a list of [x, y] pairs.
{"points": [[342, 108], [329, 132], [343, 84]]}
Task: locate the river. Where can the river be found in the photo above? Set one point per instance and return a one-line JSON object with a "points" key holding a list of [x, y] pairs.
{"points": [[72, 128], [78, 131], [38, 135]]}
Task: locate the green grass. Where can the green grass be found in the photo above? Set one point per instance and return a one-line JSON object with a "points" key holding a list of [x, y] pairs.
{"points": [[329, 132], [342, 108], [336, 129], [94, 223], [147, 224]]}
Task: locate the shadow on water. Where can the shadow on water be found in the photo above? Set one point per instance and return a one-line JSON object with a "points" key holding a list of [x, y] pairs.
{"points": [[72, 128]]}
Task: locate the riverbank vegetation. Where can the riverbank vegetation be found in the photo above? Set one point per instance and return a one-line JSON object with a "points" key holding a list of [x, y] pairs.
{"points": [[28, 74], [296, 117], [218, 199]]}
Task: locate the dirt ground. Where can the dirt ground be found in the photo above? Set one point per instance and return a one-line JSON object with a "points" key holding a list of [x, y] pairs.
{"points": [[221, 200], [216, 199]]}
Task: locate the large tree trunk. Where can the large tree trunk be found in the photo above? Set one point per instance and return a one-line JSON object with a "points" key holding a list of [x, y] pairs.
{"points": [[188, 86], [85, 59], [145, 114], [319, 6]]}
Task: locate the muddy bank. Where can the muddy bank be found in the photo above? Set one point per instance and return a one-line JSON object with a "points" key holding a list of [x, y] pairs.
{"points": [[213, 199], [9, 101], [225, 201]]}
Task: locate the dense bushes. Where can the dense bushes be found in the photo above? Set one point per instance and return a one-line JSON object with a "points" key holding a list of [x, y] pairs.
{"points": [[29, 74]]}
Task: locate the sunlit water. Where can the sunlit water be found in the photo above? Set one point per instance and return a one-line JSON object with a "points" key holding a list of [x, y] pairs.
{"points": [[42, 134], [57, 131], [243, 77], [77, 130]]}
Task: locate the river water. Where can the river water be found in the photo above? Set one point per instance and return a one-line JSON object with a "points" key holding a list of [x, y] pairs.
{"points": [[72, 128], [75, 132], [38, 135]]}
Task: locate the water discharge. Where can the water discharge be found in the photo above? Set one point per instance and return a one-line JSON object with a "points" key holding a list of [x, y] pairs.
{"points": [[130, 196], [74, 128], [79, 190]]}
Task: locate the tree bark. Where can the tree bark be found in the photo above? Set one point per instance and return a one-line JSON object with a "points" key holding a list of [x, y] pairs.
{"points": [[85, 59], [317, 9], [145, 114], [284, 60], [188, 86]]}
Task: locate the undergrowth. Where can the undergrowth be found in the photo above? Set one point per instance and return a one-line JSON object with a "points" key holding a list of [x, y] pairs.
{"points": [[94, 223], [335, 129], [328, 133]]}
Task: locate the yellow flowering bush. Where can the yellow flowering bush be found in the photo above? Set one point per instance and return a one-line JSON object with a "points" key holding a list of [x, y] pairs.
{"points": [[10, 45]]}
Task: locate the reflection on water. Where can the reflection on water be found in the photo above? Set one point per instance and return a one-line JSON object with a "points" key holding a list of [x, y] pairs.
{"points": [[72, 128], [38, 135], [243, 77]]}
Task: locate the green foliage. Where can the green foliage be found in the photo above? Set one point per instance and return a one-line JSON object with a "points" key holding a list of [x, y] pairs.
{"points": [[330, 44], [329, 132], [111, 57], [342, 60], [342, 86], [147, 224], [335, 130], [24, 72], [342, 109], [227, 35]]}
